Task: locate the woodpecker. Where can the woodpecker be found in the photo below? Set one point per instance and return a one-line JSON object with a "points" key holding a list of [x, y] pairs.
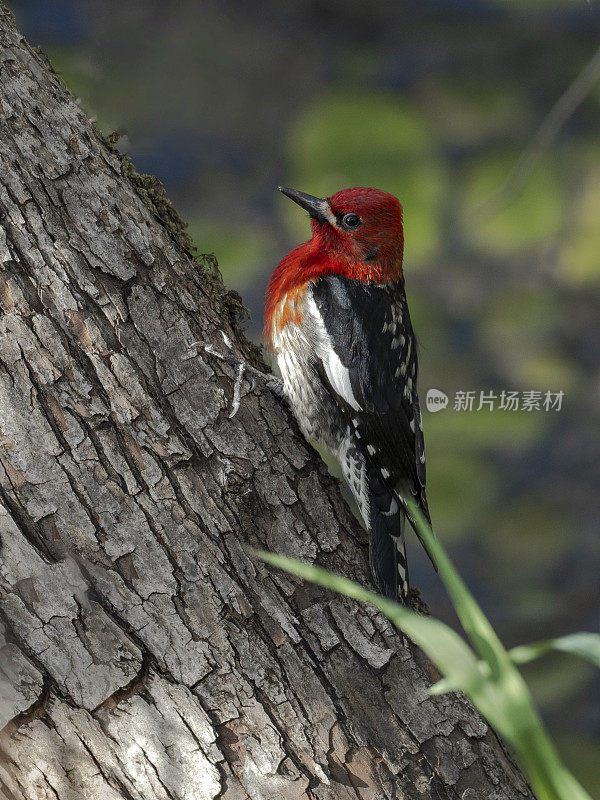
{"points": [[337, 321]]}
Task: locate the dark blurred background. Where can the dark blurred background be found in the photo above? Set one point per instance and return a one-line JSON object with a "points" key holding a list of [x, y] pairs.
{"points": [[433, 101]]}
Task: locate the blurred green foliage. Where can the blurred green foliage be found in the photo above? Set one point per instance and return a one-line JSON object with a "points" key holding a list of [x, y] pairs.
{"points": [[469, 109], [531, 217], [240, 250], [579, 263], [372, 139]]}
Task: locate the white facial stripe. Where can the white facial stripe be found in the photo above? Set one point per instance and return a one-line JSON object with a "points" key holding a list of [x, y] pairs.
{"points": [[337, 374], [328, 213]]}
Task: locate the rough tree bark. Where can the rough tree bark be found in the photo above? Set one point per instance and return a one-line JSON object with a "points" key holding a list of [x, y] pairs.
{"points": [[145, 655]]}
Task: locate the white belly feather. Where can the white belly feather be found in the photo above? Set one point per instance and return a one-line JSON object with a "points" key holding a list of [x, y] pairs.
{"points": [[300, 348]]}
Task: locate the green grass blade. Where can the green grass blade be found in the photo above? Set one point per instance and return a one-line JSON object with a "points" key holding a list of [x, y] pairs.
{"points": [[476, 625], [583, 644]]}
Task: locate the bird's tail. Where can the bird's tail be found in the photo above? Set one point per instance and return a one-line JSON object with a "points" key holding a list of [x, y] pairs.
{"points": [[384, 517], [387, 548]]}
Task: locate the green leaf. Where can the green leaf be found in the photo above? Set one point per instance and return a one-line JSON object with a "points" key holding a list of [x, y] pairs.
{"points": [[507, 703], [583, 644]]}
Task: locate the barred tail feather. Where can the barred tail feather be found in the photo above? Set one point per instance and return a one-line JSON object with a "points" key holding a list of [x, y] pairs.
{"points": [[387, 548], [384, 517]]}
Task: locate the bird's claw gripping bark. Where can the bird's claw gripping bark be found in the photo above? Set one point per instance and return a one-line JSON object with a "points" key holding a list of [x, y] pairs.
{"points": [[242, 370]]}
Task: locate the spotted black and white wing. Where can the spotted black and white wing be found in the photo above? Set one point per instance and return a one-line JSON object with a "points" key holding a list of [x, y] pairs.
{"points": [[367, 359]]}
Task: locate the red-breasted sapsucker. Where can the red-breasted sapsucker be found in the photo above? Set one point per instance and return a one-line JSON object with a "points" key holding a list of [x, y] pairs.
{"points": [[337, 320]]}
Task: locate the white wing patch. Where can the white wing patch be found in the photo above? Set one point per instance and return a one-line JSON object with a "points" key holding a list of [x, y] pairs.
{"points": [[337, 374], [339, 377]]}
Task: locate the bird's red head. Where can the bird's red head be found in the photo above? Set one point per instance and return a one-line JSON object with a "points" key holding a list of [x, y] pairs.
{"points": [[362, 227], [357, 233]]}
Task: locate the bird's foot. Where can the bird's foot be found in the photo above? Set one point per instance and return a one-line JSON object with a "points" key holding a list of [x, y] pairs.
{"points": [[242, 370]]}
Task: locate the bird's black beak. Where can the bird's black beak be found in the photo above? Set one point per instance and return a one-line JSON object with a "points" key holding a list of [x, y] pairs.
{"points": [[317, 208]]}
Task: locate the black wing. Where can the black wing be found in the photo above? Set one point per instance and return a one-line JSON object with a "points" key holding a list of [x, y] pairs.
{"points": [[369, 328]]}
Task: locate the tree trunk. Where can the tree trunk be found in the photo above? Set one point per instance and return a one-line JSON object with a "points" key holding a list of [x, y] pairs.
{"points": [[145, 655]]}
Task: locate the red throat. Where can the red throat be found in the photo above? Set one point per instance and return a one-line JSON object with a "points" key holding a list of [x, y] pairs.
{"points": [[373, 254]]}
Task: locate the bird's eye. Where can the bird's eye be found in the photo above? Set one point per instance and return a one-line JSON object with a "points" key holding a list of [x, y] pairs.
{"points": [[351, 221]]}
